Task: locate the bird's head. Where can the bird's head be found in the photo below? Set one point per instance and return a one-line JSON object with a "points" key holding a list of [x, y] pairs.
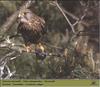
{"points": [[25, 15]]}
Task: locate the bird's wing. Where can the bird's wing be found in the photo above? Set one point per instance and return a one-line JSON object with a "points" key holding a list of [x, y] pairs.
{"points": [[36, 23]]}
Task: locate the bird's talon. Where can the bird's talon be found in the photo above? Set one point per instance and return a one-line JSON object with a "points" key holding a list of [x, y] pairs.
{"points": [[27, 48]]}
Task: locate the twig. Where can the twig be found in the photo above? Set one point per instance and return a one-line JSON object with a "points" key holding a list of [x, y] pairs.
{"points": [[76, 18], [10, 37], [1, 69], [6, 56], [70, 14], [14, 57], [3, 65], [9, 73], [61, 10]]}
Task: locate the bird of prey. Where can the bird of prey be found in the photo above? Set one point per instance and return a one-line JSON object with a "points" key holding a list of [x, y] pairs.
{"points": [[31, 27]]}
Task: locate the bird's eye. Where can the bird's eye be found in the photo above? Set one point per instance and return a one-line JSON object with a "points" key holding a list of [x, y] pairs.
{"points": [[24, 13]]}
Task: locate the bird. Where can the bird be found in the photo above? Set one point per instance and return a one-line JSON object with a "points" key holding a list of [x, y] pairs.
{"points": [[31, 27]]}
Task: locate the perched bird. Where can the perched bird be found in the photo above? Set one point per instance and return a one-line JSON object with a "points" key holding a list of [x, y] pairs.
{"points": [[31, 27]]}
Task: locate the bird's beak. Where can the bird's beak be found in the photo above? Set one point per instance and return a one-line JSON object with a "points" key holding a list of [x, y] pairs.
{"points": [[20, 15]]}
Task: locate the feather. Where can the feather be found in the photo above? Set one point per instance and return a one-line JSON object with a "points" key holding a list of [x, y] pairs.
{"points": [[31, 27]]}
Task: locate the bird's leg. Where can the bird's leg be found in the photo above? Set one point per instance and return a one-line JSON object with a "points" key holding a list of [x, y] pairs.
{"points": [[39, 46], [27, 48]]}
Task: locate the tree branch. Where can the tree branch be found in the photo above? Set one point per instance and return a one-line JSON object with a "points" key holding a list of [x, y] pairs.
{"points": [[12, 19], [61, 10]]}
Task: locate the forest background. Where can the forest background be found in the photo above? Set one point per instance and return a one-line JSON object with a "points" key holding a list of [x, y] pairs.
{"points": [[71, 41]]}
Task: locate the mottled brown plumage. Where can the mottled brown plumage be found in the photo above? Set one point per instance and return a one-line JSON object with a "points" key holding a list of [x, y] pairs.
{"points": [[31, 26]]}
